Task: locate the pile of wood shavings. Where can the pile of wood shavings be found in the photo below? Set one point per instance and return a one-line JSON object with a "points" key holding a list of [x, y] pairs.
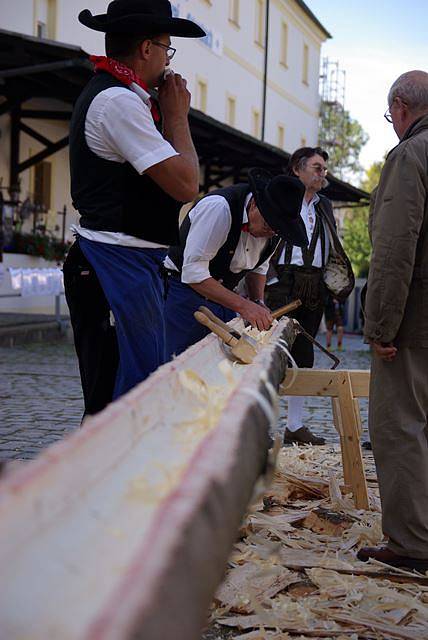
{"points": [[294, 572]]}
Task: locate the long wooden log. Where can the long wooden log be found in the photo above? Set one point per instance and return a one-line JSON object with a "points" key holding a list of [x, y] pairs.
{"points": [[123, 530]]}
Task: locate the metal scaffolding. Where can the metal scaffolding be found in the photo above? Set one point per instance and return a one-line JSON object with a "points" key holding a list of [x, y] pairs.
{"points": [[332, 112]]}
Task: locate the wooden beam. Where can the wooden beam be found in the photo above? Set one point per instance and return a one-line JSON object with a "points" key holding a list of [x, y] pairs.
{"points": [[311, 382], [351, 438], [43, 114], [35, 134], [5, 107], [346, 463], [14, 149], [44, 67], [323, 382], [360, 381], [53, 148], [344, 387]]}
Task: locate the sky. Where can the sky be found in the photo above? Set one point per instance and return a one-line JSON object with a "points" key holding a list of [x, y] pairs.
{"points": [[374, 41]]}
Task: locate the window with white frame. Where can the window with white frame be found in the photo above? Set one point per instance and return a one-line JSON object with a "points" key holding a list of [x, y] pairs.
{"points": [[234, 12], [260, 23], [305, 68], [201, 94], [281, 136], [283, 51], [45, 19], [255, 129], [231, 110]]}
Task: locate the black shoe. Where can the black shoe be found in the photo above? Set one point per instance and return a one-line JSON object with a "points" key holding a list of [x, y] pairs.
{"points": [[302, 436], [383, 554], [367, 445]]}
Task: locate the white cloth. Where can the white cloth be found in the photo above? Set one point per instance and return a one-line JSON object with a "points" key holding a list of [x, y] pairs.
{"points": [[37, 282], [119, 127], [295, 413], [115, 237], [211, 220], [309, 218]]}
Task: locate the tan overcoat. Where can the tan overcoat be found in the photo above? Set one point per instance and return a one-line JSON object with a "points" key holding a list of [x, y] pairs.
{"points": [[396, 306]]}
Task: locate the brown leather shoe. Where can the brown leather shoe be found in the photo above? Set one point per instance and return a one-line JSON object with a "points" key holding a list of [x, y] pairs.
{"points": [[383, 554], [302, 436]]}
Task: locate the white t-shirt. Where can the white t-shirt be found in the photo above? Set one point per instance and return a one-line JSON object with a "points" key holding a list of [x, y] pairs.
{"points": [[119, 127], [211, 220]]}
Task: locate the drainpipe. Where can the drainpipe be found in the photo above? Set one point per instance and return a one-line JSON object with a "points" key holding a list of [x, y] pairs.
{"points": [[265, 75]]}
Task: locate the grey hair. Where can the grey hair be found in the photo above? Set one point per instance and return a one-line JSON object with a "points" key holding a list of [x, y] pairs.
{"points": [[412, 88]]}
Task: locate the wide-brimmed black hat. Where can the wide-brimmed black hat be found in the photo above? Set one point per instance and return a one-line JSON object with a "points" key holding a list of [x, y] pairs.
{"points": [[140, 17], [279, 200]]}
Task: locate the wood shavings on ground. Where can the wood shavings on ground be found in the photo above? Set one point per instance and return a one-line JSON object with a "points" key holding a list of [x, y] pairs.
{"points": [[294, 572]]}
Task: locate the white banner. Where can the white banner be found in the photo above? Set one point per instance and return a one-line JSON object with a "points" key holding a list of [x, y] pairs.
{"points": [[213, 40]]}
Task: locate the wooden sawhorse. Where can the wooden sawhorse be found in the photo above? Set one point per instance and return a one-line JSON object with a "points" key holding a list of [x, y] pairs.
{"points": [[344, 388]]}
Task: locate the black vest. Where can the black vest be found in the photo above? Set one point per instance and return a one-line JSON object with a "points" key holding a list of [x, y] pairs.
{"points": [[113, 196], [220, 264]]}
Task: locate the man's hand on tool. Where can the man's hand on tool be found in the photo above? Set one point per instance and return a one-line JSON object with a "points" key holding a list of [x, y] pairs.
{"points": [[257, 315], [385, 351]]}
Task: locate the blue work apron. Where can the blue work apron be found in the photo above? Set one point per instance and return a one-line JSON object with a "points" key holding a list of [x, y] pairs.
{"points": [[182, 330], [131, 281]]}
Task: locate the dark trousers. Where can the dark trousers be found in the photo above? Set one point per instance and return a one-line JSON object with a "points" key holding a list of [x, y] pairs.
{"points": [[284, 292], [94, 338], [303, 350]]}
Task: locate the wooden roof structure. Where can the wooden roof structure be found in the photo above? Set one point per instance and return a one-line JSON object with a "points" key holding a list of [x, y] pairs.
{"points": [[31, 68]]}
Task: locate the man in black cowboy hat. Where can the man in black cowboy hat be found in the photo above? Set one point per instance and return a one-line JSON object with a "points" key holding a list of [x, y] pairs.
{"points": [[128, 182], [229, 234]]}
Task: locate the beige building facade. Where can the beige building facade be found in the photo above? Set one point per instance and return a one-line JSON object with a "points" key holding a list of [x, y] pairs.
{"points": [[225, 71]]}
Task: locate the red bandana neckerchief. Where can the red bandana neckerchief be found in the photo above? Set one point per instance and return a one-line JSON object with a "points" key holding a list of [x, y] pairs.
{"points": [[123, 73], [245, 227]]}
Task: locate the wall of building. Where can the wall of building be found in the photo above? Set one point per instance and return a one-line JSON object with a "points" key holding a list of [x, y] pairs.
{"points": [[230, 63]]}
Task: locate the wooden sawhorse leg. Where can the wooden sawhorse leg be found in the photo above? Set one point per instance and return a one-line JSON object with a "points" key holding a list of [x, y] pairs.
{"points": [[344, 388]]}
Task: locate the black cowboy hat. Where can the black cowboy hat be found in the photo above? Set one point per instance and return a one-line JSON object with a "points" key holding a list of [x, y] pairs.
{"points": [[279, 200], [140, 17]]}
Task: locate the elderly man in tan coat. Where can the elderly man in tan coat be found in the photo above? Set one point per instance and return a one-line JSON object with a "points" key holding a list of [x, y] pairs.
{"points": [[397, 327]]}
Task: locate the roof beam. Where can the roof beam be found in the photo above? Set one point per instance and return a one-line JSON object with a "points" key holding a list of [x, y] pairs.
{"points": [[44, 114], [44, 67], [50, 150], [35, 134]]}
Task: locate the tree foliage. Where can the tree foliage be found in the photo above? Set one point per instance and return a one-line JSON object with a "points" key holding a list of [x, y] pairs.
{"points": [[356, 237], [343, 138]]}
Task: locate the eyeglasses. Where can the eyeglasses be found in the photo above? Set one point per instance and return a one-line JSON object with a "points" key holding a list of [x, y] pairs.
{"points": [[170, 51], [387, 115], [399, 103], [317, 168]]}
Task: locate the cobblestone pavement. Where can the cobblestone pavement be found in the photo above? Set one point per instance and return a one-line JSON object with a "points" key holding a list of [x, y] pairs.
{"points": [[317, 415], [40, 396]]}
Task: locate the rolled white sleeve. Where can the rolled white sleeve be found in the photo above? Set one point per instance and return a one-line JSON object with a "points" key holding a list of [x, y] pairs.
{"points": [[210, 225], [263, 268], [119, 127]]}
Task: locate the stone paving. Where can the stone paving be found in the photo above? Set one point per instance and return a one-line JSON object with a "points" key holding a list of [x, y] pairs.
{"points": [[40, 398], [41, 401], [318, 415]]}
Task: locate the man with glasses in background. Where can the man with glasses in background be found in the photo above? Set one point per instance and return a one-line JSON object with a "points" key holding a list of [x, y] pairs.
{"points": [[129, 179], [299, 274], [396, 325]]}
